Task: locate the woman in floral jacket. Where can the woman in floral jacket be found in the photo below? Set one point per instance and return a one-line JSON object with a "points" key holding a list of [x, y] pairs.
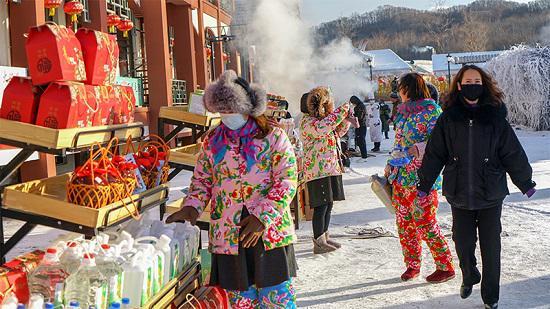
{"points": [[247, 172], [320, 130], [415, 214]]}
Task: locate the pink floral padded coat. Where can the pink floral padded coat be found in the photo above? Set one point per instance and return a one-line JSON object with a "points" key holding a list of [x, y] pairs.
{"points": [[266, 190], [320, 144]]}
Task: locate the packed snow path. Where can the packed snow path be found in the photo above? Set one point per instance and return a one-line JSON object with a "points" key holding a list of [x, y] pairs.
{"points": [[365, 272]]}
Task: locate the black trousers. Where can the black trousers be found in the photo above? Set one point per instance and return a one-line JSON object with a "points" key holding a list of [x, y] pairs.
{"points": [[360, 140], [321, 219], [466, 226]]}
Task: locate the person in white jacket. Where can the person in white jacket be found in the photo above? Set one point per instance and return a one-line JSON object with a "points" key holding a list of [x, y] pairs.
{"points": [[374, 124]]}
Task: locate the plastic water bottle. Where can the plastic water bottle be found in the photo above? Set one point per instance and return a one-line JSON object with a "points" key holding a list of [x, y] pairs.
{"points": [[48, 279], [138, 278], [87, 285], [36, 301], [108, 266], [125, 303], [10, 302], [71, 258]]}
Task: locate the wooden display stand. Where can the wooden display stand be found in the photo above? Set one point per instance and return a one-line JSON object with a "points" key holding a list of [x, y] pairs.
{"points": [[181, 118], [42, 202]]}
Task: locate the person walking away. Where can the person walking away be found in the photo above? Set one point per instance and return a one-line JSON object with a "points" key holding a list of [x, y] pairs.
{"points": [[434, 93], [246, 171], [375, 124], [385, 115], [476, 146], [320, 130], [415, 215], [360, 112]]}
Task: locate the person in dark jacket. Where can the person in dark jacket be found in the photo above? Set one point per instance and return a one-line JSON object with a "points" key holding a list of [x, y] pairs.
{"points": [[434, 93], [476, 146], [385, 116], [360, 111]]}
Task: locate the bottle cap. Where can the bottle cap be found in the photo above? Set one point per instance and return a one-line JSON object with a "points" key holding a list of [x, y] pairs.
{"points": [[48, 306], [74, 303], [125, 301]]}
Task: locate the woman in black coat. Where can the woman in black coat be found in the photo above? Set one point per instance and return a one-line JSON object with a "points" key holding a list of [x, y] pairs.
{"points": [[476, 145], [360, 111]]}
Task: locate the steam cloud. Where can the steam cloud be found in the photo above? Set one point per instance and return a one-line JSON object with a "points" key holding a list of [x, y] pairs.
{"points": [[287, 62]]}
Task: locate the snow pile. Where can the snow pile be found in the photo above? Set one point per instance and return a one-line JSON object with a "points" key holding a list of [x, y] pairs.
{"points": [[523, 73]]}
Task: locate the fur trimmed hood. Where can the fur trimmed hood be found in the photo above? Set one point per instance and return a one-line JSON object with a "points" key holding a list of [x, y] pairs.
{"points": [[232, 94]]}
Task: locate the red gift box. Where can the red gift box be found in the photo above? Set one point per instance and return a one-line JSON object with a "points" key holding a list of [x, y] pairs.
{"points": [[14, 280], [127, 104], [54, 54], [20, 100], [109, 104], [65, 105], [100, 51], [13, 275]]}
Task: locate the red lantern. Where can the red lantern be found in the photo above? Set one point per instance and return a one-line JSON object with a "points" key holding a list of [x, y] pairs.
{"points": [[208, 52], [52, 5], [125, 25], [112, 21], [73, 8], [225, 57], [441, 78]]}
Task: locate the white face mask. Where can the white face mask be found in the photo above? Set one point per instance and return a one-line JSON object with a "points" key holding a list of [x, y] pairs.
{"points": [[234, 121]]}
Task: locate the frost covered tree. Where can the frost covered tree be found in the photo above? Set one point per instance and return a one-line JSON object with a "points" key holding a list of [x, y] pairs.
{"points": [[523, 74]]}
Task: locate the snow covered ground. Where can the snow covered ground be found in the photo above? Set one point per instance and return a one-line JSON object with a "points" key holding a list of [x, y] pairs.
{"points": [[365, 272]]}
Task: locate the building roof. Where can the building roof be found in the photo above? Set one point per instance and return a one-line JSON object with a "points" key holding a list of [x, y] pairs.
{"points": [[440, 65], [386, 61]]}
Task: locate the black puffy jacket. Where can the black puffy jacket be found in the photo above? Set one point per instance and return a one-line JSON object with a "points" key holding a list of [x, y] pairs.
{"points": [[477, 147]]}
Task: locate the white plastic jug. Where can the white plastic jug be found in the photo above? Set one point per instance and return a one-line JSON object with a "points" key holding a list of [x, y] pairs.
{"points": [[165, 245], [182, 234], [137, 281], [153, 257]]}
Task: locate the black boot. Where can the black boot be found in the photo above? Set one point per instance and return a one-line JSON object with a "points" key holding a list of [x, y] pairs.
{"points": [[491, 306], [465, 291], [376, 147]]}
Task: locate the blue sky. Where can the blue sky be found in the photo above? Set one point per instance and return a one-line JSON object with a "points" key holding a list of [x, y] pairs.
{"points": [[317, 11]]}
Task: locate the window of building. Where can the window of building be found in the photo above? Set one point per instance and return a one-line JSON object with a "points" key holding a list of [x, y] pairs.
{"points": [[119, 7], [85, 16]]}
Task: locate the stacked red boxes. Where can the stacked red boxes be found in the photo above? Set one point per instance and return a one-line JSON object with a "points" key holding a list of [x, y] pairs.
{"points": [[20, 100]]}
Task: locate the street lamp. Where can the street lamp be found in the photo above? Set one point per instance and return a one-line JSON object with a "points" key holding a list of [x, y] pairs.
{"points": [[369, 62], [449, 60]]}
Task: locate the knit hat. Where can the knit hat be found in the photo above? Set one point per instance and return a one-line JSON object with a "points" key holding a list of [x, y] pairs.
{"points": [[232, 94]]}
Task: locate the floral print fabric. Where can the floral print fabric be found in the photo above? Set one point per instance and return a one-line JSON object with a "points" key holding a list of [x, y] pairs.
{"points": [[415, 122], [416, 221], [280, 296], [266, 190], [320, 144]]}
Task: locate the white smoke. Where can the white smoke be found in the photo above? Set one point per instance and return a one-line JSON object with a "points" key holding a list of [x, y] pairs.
{"points": [[545, 34], [287, 63]]}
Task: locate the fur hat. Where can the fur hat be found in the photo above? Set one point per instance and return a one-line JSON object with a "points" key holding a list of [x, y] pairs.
{"points": [[232, 94], [320, 102], [303, 103]]}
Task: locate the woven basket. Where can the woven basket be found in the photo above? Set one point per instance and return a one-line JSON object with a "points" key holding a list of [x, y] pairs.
{"points": [[93, 196]]}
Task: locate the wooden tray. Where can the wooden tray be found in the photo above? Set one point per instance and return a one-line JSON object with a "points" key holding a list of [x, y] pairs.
{"points": [[47, 197], [64, 138], [180, 113], [186, 155]]}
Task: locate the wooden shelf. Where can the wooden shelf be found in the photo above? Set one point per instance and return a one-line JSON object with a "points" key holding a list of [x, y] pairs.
{"points": [[48, 197], [180, 113], [65, 138], [186, 155]]}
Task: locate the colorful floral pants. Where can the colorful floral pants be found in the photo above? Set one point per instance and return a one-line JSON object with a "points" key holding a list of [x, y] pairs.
{"points": [[279, 296], [416, 221]]}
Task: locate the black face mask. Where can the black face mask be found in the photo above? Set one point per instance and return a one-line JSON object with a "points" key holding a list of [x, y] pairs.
{"points": [[471, 92]]}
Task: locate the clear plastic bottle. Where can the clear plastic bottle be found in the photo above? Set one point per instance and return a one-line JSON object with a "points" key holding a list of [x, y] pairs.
{"points": [[87, 285], [109, 267], [71, 258], [48, 279], [36, 301]]}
